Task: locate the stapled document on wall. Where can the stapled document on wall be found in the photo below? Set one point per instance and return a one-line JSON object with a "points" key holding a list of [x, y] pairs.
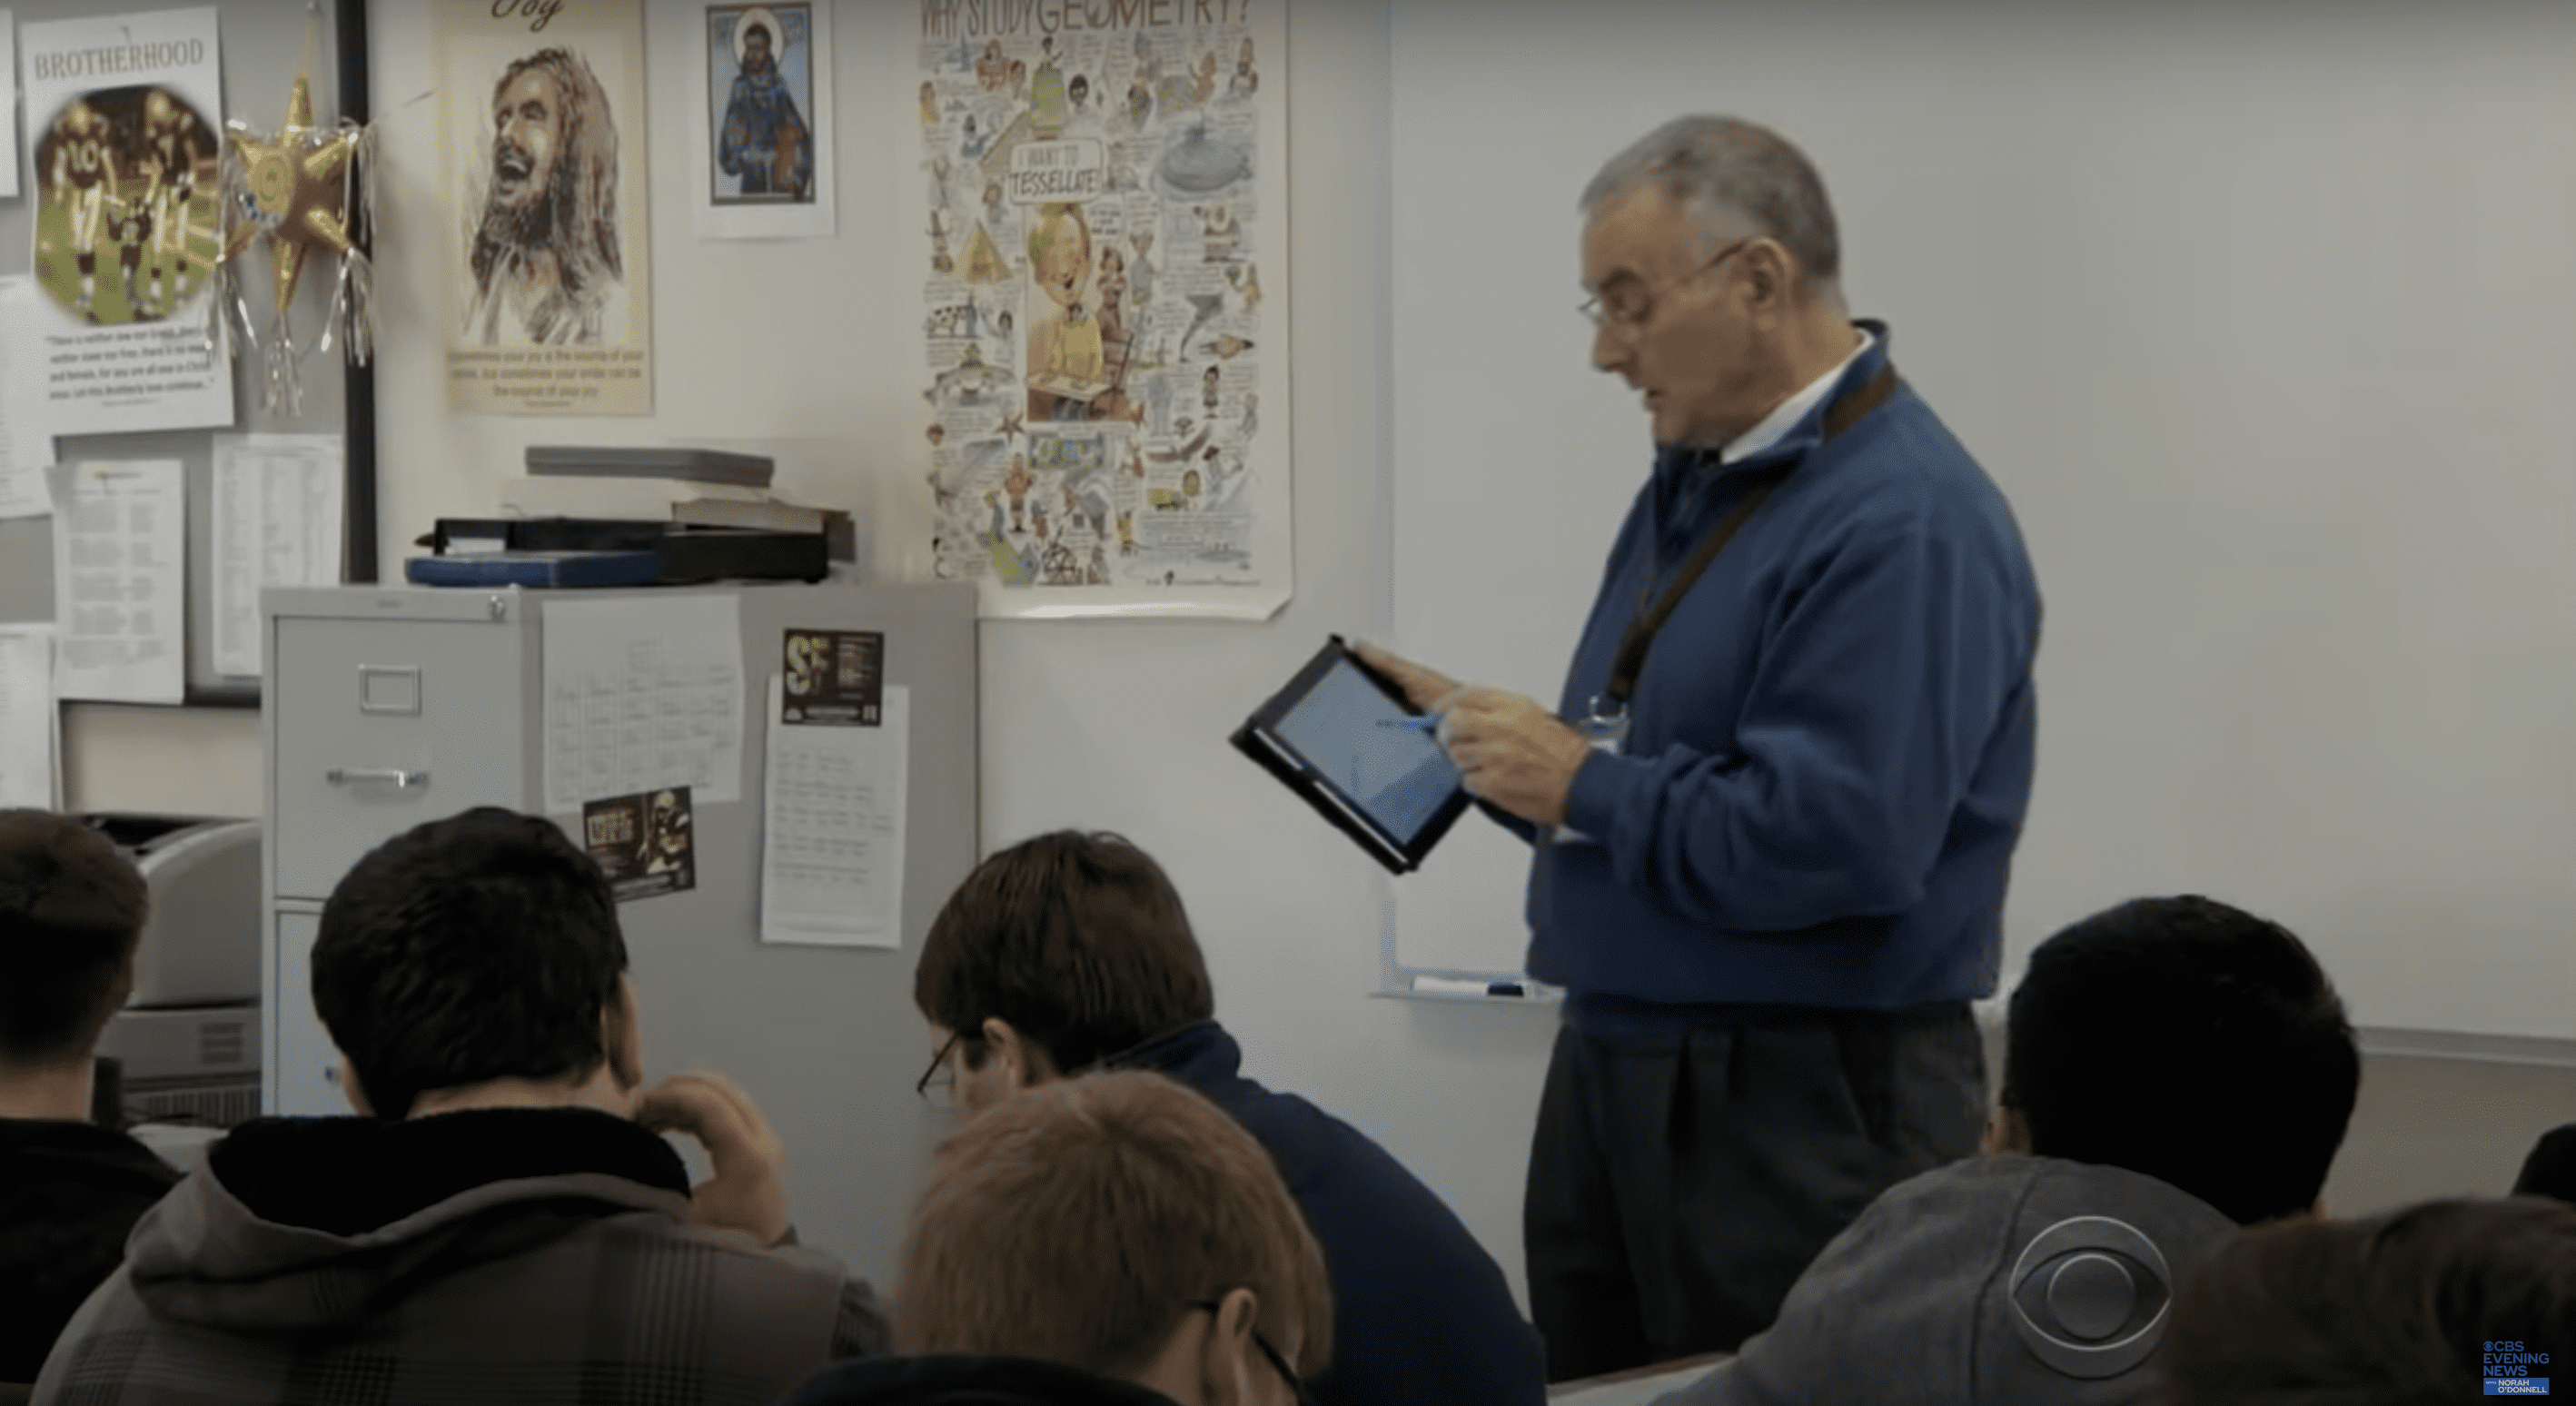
{"points": [[29, 770], [120, 571], [277, 523], [26, 439], [643, 694], [831, 851]]}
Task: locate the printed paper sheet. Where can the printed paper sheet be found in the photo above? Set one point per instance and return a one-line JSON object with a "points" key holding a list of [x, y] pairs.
{"points": [[126, 111], [277, 523], [29, 772], [9, 102], [120, 572], [26, 441], [643, 694], [1105, 307], [831, 849]]}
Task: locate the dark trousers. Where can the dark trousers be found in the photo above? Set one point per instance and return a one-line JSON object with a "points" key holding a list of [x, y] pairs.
{"points": [[1677, 1189]]}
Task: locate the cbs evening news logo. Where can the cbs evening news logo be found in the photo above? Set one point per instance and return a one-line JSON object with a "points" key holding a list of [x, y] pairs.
{"points": [[2508, 1370]]}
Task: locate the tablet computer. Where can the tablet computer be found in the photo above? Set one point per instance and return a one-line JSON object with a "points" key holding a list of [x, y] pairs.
{"points": [[1341, 735]]}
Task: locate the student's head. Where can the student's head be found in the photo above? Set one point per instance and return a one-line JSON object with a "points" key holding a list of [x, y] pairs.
{"points": [[478, 948], [1123, 1224], [71, 908], [1055, 953], [2386, 1311], [2188, 1041]]}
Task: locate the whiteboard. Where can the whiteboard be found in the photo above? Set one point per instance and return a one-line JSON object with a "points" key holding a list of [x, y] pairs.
{"points": [[2256, 311]]}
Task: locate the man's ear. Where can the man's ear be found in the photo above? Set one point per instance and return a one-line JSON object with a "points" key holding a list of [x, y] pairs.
{"points": [[1770, 273], [1026, 1064], [621, 1035], [351, 1090]]}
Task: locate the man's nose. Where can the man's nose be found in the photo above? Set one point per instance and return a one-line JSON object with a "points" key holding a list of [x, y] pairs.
{"points": [[1609, 348]]}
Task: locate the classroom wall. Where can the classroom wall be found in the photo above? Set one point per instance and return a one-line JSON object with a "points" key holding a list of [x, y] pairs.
{"points": [[811, 348], [1118, 724]]}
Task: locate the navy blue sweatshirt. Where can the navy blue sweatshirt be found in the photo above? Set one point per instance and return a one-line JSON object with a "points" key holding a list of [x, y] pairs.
{"points": [[1830, 747], [1420, 1311]]}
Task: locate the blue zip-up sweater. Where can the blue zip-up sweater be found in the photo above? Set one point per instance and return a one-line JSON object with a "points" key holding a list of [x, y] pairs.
{"points": [[1830, 748], [1420, 1311]]}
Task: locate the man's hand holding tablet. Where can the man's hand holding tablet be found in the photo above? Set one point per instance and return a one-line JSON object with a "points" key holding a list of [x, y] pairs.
{"points": [[1346, 739], [1508, 748]]}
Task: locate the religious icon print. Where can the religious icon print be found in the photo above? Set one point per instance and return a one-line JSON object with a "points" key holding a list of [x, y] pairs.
{"points": [[760, 85]]}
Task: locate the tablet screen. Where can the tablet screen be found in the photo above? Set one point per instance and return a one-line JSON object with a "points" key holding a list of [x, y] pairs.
{"points": [[1351, 732]]}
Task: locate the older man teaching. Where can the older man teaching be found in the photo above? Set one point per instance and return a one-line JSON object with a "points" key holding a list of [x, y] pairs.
{"points": [[1772, 816]]}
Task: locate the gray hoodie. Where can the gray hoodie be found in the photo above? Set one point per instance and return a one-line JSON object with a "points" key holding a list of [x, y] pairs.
{"points": [[498, 1256], [1999, 1281]]}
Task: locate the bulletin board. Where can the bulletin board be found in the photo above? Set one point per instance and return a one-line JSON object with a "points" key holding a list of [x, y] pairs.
{"points": [[262, 47]]}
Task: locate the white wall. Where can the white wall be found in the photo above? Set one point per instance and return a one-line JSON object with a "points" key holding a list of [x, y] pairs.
{"points": [[2255, 311]]}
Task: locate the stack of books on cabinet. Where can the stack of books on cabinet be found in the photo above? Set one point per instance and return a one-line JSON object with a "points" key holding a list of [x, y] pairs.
{"points": [[632, 516]]}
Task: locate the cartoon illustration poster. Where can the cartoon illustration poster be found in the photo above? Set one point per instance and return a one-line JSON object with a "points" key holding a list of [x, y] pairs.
{"points": [[125, 111], [542, 123], [1105, 309]]}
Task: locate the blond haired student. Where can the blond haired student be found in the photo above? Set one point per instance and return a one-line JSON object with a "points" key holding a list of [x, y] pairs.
{"points": [[1111, 1240]]}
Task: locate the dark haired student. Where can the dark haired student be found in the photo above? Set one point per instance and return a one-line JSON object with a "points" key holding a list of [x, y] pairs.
{"points": [[2174, 1069], [1071, 952], [2550, 1170], [500, 1224], [71, 908]]}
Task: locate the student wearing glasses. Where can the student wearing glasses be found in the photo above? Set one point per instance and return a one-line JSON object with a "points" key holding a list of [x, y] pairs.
{"points": [[1113, 1240], [1070, 952], [1772, 813]]}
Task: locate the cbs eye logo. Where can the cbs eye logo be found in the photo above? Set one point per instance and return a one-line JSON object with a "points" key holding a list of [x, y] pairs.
{"points": [[2089, 1296]]}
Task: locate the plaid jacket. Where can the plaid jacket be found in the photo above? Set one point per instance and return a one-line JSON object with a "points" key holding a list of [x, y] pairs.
{"points": [[69, 1195], [490, 1257]]}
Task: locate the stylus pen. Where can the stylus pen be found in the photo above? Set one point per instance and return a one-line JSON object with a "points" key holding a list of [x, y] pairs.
{"points": [[1419, 722]]}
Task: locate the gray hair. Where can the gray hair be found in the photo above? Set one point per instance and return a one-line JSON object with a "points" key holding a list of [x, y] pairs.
{"points": [[1729, 173]]}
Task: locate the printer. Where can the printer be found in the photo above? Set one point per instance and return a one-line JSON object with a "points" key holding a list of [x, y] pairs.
{"points": [[187, 1043]]}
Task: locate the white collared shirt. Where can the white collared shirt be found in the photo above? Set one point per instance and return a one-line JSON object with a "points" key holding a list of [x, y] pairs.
{"points": [[1768, 431]]}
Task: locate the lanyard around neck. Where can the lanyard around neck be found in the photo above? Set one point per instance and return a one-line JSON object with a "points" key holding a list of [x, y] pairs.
{"points": [[1642, 628]]}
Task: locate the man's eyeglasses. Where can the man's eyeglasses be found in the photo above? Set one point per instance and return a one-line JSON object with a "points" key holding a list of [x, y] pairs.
{"points": [[938, 1083], [1278, 1361], [1626, 307]]}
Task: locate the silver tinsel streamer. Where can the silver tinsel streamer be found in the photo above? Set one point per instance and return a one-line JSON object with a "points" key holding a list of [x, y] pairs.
{"points": [[351, 318]]}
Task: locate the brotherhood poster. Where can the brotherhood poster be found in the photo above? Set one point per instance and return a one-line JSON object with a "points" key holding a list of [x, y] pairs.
{"points": [[1105, 304], [124, 111], [543, 148]]}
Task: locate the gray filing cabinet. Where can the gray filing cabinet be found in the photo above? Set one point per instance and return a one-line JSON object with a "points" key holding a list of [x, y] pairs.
{"points": [[387, 707]]}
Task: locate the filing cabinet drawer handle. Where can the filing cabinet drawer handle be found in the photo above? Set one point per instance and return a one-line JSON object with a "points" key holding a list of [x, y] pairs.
{"points": [[352, 775]]}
